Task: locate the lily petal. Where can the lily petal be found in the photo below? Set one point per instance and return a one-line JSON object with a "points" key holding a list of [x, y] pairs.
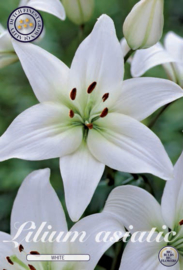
{"points": [[41, 132], [174, 45], [81, 174], [178, 72], [172, 200], [50, 73], [37, 202], [6, 42], [53, 7], [140, 97], [99, 59], [170, 71], [23, 3], [93, 225], [2, 29], [127, 205], [125, 144], [6, 250], [145, 256], [125, 47], [144, 60]]}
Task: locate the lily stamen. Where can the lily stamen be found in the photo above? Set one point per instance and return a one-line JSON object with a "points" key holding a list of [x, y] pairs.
{"points": [[9, 260], [31, 267], [90, 125], [104, 113], [105, 97], [181, 222], [91, 87], [34, 253], [71, 113], [73, 94], [21, 248]]}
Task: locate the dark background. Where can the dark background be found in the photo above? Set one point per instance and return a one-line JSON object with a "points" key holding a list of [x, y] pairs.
{"points": [[62, 40]]}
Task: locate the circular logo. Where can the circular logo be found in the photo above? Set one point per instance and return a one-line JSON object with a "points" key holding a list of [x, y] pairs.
{"points": [[168, 256], [25, 24]]}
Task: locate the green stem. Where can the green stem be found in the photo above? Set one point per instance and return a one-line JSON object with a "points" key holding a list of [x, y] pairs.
{"points": [[82, 27], [128, 55], [146, 180], [128, 181], [81, 31], [118, 255], [20, 264], [158, 115]]}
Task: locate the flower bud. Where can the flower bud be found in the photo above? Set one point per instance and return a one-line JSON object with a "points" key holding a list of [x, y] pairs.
{"points": [[143, 26], [79, 11], [7, 53]]}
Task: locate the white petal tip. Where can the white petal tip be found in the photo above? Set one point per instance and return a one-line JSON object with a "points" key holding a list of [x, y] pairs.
{"points": [[75, 213], [106, 22], [74, 218], [62, 16], [104, 17]]}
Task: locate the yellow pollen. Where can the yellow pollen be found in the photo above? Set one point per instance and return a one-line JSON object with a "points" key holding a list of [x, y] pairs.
{"points": [[31, 24], [19, 27], [21, 21], [25, 25], [27, 20]]}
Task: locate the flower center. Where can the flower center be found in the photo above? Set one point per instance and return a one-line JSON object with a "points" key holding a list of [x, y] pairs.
{"points": [[87, 119], [177, 241], [14, 260]]}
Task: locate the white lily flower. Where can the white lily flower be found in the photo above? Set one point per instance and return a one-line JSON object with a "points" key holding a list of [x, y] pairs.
{"points": [[135, 206], [79, 11], [143, 26], [37, 202], [7, 52], [170, 56], [89, 117]]}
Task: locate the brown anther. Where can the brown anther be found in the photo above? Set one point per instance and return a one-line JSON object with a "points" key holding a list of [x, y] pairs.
{"points": [[105, 97], [31, 267], [90, 125], [91, 87], [9, 260], [73, 93], [104, 113], [181, 222], [71, 114], [34, 253], [21, 248]]}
